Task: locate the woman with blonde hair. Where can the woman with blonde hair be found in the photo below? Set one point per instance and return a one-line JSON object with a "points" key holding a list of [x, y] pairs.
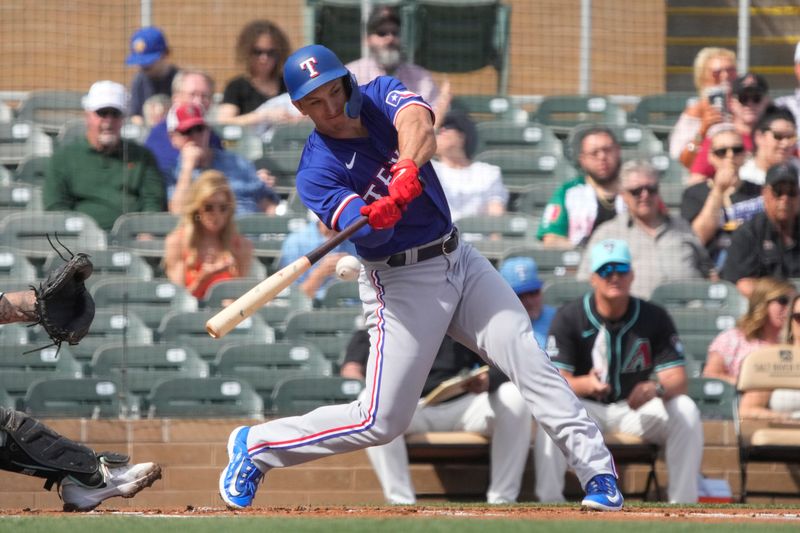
{"points": [[206, 246], [762, 325], [714, 70]]}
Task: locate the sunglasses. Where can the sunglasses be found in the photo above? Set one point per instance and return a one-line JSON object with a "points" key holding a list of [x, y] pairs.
{"points": [[385, 33], [193, 130], [782, 300], [269, 52], [750, 98], [784, 189], [222, 208], [723, 151], [716, 72], [608, 269], [108, 112], [638, 191], [783, 136]]}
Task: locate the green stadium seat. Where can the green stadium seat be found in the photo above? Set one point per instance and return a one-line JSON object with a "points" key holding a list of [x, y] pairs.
{"points": [[143, 234], [51, 109], [491, 108], [559, 291], [275, 313], [523, 169], [328, 329], [73, 398], [295, 396], [268, 232], [697, 327], [20, 140], [15, 266], [111, 263], [290, 137], [18, 370], [498, 134], [341, 294], [240, 140], [564, 112], [212, 397], [660, 112], [493, 236], [635, 140], [552, 263], [18, 197], [148, 299], [669, 170], [714, 397], [32, 170], [283, 165], [700, 293], [265, 365]]}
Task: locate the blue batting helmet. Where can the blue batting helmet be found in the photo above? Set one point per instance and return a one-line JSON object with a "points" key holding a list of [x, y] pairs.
{"points": [[313, 66]]}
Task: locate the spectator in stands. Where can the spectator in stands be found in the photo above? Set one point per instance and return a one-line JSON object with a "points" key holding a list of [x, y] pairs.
{"points": [[775, 138], [580, 205], [715, 208], [206, 246], [319, 277], [762, 325], [714, 72], [491, 406], [99, 175], [792, 101], [191, 135], [387, 58], [523, 276], [607, 344], [663, 246], [767, 244], [149, 51], [472, 188], [154, 109], [188, 87], [747, 103], [261, 48]]}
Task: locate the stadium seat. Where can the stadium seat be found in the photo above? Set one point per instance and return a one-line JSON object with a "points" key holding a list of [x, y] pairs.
{"points": [[669, 170], [75, 129], [268, 232], [15, 266], [714, 397], [660, 112], [498, 134], [32, 170], [189, 328], [672, 193], [560, 291], [552, 263], [73, 398], [239, 140], [294, 396], [699, 293], [341, 294], [213, 397], [329, 329], [697, 327], [635, 140], [494, 108], [143, 234], [27, 233], [15, 334], [564, 112], [139, 367], [20, 140], [265, 365], [50, 109], [283, 165], [493, 236], [149, 299], [18, 370], [108, 264], [291, 137], [534, 200], [767, 369], [275, 313], [522, 169], [20, 197]]}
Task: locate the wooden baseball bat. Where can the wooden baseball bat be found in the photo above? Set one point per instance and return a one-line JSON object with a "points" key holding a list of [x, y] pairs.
{"points": [[223, 322]]}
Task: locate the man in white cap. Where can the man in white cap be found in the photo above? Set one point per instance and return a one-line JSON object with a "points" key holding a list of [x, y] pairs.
{"points": [[607, 344], [100, 175]]}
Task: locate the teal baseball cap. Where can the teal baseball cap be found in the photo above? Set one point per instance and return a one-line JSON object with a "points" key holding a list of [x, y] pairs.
{"points": [[522, 274], [610, 251]]}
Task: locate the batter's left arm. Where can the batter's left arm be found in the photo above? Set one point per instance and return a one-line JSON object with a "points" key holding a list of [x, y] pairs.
{"points": [[415, 137]]}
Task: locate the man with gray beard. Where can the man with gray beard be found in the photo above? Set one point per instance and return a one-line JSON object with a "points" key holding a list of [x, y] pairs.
{"points": [[387, 58]]}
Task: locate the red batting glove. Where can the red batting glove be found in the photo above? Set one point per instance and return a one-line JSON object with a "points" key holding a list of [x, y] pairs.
{"points": [[383, 213], [405, 184]]}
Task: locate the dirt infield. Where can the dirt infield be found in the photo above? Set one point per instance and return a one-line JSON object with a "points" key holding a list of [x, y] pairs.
{"points": [[714, 514]]}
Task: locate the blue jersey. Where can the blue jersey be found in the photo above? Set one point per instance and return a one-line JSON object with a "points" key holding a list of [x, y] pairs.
{"points": [[336, 177]]}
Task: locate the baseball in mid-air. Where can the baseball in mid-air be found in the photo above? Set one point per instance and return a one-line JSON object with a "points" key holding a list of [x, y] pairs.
{"points": [[348, 267]]}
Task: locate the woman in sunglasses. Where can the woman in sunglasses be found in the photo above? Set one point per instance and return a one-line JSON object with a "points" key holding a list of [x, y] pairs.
{"points": [[775, 138], [206, 246], [262, 48], [762, 325], [716, 207], [714, 69]]}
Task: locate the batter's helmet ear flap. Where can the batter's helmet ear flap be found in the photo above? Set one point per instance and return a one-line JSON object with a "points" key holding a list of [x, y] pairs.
{"points": [[353, 105]]}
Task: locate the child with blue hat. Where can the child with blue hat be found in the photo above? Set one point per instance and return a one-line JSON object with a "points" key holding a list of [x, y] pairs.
{"points": [[523, 276], [149, 51]]}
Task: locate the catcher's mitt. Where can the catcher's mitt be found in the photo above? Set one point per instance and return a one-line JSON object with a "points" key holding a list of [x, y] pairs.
{"points": [[64, 306]]}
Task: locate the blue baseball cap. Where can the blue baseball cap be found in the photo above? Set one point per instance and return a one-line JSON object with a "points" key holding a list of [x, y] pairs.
{"points": [[313, 66], [522, 274], [147, 46], [610, 251]]}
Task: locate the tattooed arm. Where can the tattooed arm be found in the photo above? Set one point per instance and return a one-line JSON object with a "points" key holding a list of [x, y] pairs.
{"points": [[18, 306]]}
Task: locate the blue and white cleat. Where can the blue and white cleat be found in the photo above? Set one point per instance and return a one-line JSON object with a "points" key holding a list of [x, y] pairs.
{"points": [[239, 481], [602, 494]]}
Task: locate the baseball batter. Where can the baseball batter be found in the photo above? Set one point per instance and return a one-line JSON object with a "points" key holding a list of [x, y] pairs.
{"points": [[369, 155]]}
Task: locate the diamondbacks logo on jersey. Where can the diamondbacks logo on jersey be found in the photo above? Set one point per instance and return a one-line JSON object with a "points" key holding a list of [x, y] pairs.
{"points": [[308, 65], [640, 357], [395, 97]]}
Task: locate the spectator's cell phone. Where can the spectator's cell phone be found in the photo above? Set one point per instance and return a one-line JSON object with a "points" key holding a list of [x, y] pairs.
{"points": [[718, 97]]}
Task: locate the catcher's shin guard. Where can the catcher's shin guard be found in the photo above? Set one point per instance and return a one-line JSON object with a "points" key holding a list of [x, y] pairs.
{"points": [[32, 448]]}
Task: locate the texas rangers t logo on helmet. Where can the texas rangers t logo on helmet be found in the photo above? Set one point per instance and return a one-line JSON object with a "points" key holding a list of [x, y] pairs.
{"points": [[308, 65]]}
